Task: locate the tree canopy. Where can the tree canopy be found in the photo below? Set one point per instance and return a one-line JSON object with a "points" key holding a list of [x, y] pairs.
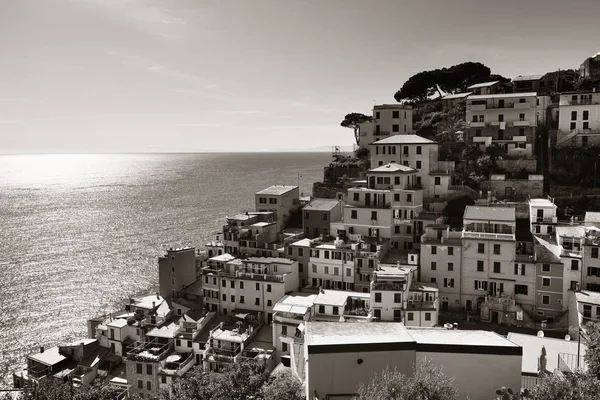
{"points": [[453, 79], [353, 121]]}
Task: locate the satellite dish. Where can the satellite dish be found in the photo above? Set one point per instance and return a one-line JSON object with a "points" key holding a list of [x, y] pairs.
{"points": [[568, 337], [540, 334]]}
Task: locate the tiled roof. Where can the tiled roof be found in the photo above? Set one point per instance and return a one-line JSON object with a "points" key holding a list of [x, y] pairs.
{"points": [[393, 167], [322, 204], [405, 139], [277, 190], [482, 85]]}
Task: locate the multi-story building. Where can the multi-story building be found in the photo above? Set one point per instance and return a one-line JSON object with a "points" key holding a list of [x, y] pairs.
{"points": [[441, 264], [584, 307], [579, 119], [279, 198], [489, 248], [249, 233], [542, 216], [526, 83], [318, 215], [590, 67], [485, 88], [299, 250], [591, 253], [388, 120], [252, 284], [420, 154], [453, 100], [332, 265], [177, 269], [508, 121]]}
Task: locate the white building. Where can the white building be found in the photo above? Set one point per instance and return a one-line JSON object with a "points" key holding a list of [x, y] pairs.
{"points": [[388, 120], [579, 119], [279, 198]]}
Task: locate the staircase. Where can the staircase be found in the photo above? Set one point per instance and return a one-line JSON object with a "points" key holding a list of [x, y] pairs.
{"points": [[566, 138], [472, 193]]}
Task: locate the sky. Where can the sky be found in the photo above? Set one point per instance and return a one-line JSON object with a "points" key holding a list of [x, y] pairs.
{"points": [[250, 75]]}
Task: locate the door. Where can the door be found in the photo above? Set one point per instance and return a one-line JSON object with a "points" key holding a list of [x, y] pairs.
{"points": [[494, 317], [540, 215], [445, 305], [469, 305]]}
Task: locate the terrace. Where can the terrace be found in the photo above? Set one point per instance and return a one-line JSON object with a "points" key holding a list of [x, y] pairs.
{"points": [[153, 350], [177, 364]]}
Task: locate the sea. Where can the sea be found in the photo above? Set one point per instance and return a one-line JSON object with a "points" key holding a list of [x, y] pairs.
{"points": [[81, 233]]}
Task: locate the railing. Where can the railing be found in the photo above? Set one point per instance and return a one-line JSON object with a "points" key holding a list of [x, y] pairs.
{"points": [[149, 351], [505, 301], [463, 188], [583, 102], [521, 123], [524, 258], [417, 305], [260, 277], [551, 220], [368, 254], [395, 287], [570, 362], [486, 235]]}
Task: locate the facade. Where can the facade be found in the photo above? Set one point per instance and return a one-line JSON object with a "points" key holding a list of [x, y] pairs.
{"points": [[452, 100], [176, 269], [388, 120], [485, 88], [318, 215], [299, 250], [508, 121], [341, 356], [527, 83], [331, 265], [281, 199], [579, 119], [590, 67], [584, 306], [503, 187]]}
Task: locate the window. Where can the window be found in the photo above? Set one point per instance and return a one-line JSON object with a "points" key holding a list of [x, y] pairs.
{"points": [[496, 267], [482, 118], [395, 128], [397, 297], [433, 249], [521, 117], [427, 316], [410, 316], [481, 285], [546, 282], [233, 299], [450, 250], [353, 214], [257, 301], [450, 266], [149, 369], [573, 115], [336, 310], [477, 131], [326, 270], [314, 268], [448, 282], [500, 117], [496, 249], [587, 311], [586, 125], [306, 215], [521, 100], [284, 330], [348, 271], [545, 267], [356, 196], [433, 265], [594, 252], [148, 385], [519, 269], [574, 265], [139, 368], [241, 299], [321, 309], [262, 200], [241, 285], [140, 384], [300, 252], [373, 215], [545, 299], [395, 114], [586, 115], [437, 181], [418, 164], [573, 125], [405, 150], [479, 266], [419, 150], [224, 297], [377, 297], [481, 248], [396, 196], [232, 284], [433, 280], [163, 379], [336, 271], [521, 289], [224, 283], [521, 131], [593, 271]]}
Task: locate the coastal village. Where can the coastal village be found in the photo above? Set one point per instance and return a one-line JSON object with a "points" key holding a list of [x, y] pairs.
{"points": [[367, 272]]}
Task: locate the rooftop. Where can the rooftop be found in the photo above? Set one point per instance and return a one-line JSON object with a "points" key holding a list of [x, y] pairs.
{"points": [[302, 243], [295, 302], [262, 224], [483, 84], [50, 357], [589, 297], [404, 139], [456, 96], [241, 217], [392, 106], [166, 331], [390, 271], [76, 343], [456, 337], [393, 167], [341, 333], [532, 349], [337, 297], [322, 204], [571, 231], [277, 190], [541, 203], [269, 260], [117, 323], [490, 213], [528, 78], [146, 301], [502, 96], [222, 258], [545, 251], [423, 287], [591, 216]]}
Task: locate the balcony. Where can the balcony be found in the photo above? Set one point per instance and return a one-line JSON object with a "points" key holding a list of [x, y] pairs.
{"points": [[259, 277], [368, 254], [521, 123], [519, 138], [421, 305], [487, 235], [149, 351], [547, 220], [178, 364], [398, 221], [522, 105], [477, 107], [477, 124], [386, 286], [583, 102], [375, 205], [500, 300], [482, 139], [524, 258]]}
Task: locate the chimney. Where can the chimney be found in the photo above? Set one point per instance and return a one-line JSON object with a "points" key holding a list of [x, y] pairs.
{"points": [[157, 296], [153, 304], [398, 265], [41, 349]]}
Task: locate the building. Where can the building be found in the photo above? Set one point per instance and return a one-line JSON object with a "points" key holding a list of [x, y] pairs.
{"points": [[485, 88], [341, 356], [318, 215], [561, 354], [579, 119], [281, 199], [453, 100], [542, 216], [504, 187], [584, 306], [388, 120], [527, 83], [332, 265], [176, 269], [441, 264], [508, 121], [590, 67]]}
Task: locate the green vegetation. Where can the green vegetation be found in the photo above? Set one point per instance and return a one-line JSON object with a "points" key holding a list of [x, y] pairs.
{"points": [[353, 121]]}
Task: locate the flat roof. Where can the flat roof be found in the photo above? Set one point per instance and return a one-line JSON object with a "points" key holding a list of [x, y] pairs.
{"points": [[262, 224], [222, 258], [570, 231], [269, 260], [76, 343], [456, 96], [117, 323], [454, 337], [490, 213], [338, 297], [146, 301], [166, 331], [277, 190], [302, 243], [482, 84], [296, 302], [405, 139], [392, 106], [322, 204], [423, 287], [343, 333], [528, 78], [50, 356], [241, 217], [502, 95], [532, 349], [393, 167], [390, 270], [587, 296], [541, 203]]}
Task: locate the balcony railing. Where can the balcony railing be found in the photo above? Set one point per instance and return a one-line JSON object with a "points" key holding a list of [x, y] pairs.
{"points": [[522, 105], [385, 286], [149, 351], [570, 362], [524, 258], [421, 305], [521, 123], [503, 300], [476, 124], [260, 277], [487, 235], [583, 102]]}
